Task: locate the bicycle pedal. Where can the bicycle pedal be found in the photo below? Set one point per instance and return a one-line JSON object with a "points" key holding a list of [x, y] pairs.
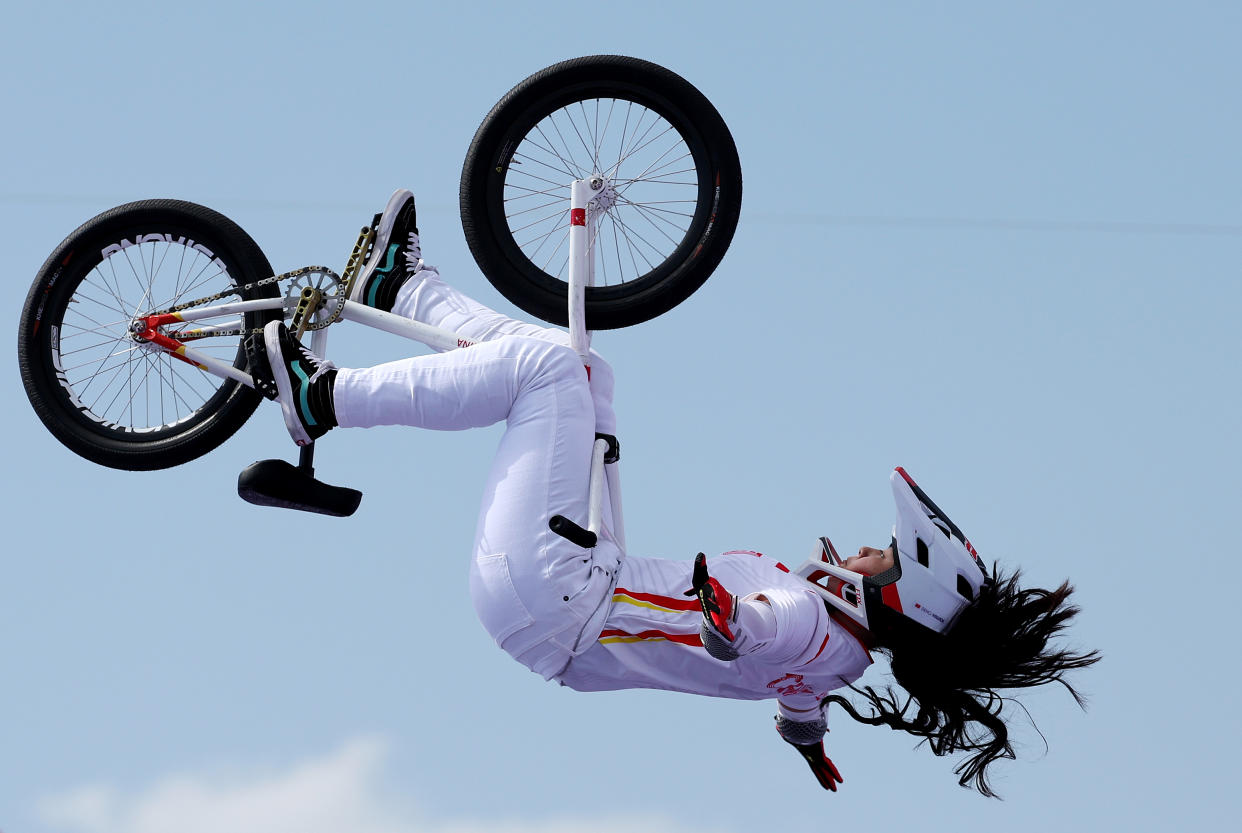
{"points": [[279, 484], [260, 368]]}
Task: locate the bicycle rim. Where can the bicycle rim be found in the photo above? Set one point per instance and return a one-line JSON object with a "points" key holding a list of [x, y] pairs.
{"points": [[649, 202]]}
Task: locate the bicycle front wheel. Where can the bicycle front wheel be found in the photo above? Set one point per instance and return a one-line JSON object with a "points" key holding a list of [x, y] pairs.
{"points": [[667, 209], [115, 399]]}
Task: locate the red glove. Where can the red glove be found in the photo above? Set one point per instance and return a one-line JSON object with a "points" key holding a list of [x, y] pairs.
{"points": [[717, 604], [823, 767], [808, 738]]}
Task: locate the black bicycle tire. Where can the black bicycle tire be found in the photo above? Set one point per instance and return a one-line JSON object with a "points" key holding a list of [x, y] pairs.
{"points": [[670, 282], [221, 414]]}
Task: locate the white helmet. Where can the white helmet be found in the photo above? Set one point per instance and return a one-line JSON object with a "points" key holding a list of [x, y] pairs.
{"points": [[936, 573]]}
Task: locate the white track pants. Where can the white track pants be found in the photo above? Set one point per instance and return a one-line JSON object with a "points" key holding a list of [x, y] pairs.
{"points": [[542, 598]]}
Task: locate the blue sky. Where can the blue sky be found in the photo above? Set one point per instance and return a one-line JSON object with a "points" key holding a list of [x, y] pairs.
{"points": [[997, 244]]}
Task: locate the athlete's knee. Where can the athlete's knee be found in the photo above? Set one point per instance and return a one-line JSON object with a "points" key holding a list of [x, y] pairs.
{"points": [[561, 366], [540, 361]]}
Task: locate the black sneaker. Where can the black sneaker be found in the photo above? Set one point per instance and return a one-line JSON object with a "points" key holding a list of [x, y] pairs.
{"points": [[303, 384], [395, 255]]}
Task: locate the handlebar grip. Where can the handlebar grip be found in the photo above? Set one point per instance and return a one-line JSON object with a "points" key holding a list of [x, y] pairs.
{"points": [[570, 531]]}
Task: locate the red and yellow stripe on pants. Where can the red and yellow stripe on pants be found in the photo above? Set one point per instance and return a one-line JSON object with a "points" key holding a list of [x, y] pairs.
{"points": [[680, 609]]}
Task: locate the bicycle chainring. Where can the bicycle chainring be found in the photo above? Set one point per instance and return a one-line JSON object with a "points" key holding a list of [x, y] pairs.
{"points": [[326, 295]]}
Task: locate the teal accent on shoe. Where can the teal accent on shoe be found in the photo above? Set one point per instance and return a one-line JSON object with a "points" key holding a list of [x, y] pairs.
{"points": [[385, 270], [304, 395]]}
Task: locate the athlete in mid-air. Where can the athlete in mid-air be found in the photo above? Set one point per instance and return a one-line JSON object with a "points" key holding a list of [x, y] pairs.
{"points": [[739, 625]]}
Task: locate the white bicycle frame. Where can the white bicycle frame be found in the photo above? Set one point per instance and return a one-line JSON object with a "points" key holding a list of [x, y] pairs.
{"points": [[581, 275]]}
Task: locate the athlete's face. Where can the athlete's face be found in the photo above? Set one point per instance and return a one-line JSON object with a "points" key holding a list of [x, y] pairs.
{"points": [[870, 561]]}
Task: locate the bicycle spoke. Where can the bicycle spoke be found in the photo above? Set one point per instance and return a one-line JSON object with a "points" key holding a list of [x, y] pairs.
{"points": [[562, 243], [567, 157], [113, 287], [585, 123], [110, 327], [92, 348], [617, 248], [168, 374], [631, 234], [557, 190], [540, 207], [658, 174], [655, 211], [558, 212], [563, 186], [660, 227], [143, 290]]}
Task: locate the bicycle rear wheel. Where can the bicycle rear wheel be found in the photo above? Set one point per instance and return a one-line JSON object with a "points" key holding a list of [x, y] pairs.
{"points": [[111, 398], [665, 216]]}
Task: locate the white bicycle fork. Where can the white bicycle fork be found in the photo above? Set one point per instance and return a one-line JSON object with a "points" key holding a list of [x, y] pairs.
{"points": [[585, 207]]}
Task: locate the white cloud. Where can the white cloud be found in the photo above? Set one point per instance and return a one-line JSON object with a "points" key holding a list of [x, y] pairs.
{"points": [[330, 794]]}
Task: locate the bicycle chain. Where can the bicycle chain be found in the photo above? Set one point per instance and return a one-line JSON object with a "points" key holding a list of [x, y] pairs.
{"points": [[240, 290], [361, 248]]}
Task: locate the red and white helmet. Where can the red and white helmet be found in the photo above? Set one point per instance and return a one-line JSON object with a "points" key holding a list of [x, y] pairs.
{"points": [[936, 573]]}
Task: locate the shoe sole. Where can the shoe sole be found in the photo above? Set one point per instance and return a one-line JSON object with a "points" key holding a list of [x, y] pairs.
{"points": [[383, 235], [284, 388]]}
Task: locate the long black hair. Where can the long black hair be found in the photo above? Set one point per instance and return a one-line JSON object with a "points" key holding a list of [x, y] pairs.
{"points": [[951, 681]]}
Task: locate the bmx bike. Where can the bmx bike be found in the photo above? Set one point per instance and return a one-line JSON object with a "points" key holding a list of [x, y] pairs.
{"points": [[598, 193]]}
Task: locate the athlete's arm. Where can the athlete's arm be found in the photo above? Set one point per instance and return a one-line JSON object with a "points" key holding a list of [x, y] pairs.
{"points": [[732, 627]]}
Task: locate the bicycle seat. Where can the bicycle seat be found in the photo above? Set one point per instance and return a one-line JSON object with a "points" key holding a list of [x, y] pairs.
{"points": [[286, 486]]}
